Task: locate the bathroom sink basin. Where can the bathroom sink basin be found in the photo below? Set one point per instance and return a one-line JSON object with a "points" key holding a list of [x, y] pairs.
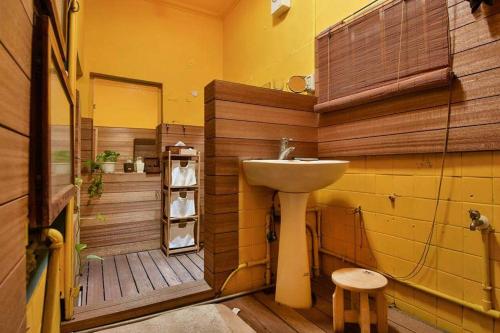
{"points": [[294, 176], [294, 180]]}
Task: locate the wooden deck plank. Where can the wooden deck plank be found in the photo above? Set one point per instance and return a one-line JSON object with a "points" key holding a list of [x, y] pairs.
{"points": [[152, 271], [258, 316], [127, 283], [110, 277], [318, 318], [195, 272], [197, 260], [95, 291], [289, 315], [202, 254], [137, 306], [165, 269], [141, 278], [179, 270], [84, 283]]}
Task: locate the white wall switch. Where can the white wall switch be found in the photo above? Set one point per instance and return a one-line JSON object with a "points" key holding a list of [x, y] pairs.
{"points": [[278, 7]]}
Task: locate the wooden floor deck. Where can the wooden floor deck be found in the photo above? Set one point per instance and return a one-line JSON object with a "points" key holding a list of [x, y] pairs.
{"points": [[134, 274], [264, 315]]}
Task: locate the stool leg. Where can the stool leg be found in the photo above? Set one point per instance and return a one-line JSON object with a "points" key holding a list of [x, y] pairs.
{"points": [[338, 310], [382, 326], [364, 313], [354, 300]]}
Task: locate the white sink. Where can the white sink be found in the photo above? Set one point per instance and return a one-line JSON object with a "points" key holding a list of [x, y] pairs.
{"points": [[294, 180], [294, 176]]}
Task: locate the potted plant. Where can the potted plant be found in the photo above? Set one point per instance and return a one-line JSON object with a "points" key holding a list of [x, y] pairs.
{"points": [[107, 159]]}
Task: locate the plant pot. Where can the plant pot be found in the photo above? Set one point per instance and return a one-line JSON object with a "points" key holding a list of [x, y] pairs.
{"points": [[108, 167]]}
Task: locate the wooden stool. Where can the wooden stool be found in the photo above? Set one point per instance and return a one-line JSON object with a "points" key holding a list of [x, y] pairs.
{"points": [[360, 282]]}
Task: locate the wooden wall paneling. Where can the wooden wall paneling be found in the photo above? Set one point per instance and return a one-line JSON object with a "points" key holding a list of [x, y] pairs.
{"points": [[13, 296], [221, 184], [470, 138], [87, 145], [224, 128], [259, 113], [236, 92], [226, 147], [223, 166], [14, 149], [14, 94], [477, 59], [14, 220], [16, 33], [470, 113], [480, 32], [131, 208], [221, 223], [121, 140], [460, 15]]}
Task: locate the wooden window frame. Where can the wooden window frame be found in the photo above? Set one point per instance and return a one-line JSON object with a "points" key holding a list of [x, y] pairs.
{"points": [[60, 32], [52, 205]]}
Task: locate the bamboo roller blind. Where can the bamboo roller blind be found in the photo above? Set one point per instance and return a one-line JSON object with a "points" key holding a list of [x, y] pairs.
{"points": [[397, 48]]}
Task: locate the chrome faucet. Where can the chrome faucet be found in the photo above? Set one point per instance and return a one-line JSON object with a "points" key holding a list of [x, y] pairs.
{"points": [[479, 222], [284, 149]]}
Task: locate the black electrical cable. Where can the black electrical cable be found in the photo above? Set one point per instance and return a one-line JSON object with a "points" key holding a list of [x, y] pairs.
{"points": [[423, 258]]}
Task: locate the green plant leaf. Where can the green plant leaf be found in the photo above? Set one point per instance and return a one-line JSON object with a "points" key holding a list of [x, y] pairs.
{"points": [[94, 257], [80, 247]]}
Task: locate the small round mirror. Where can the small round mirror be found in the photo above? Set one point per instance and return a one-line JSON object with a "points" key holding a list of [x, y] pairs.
{"points": [[297, 84]]}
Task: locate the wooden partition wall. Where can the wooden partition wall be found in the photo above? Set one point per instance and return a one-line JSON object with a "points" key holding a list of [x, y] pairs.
{"points": [[244, 122], [415, 123]]}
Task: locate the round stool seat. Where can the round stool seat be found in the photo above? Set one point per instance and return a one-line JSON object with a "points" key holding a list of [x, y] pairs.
{"points": [[359, 280]]}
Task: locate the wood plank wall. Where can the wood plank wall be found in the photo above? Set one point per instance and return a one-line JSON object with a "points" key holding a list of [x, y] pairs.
{"points": [[243, 122], [16, 32], [121, 139], [415, 123], [170, 134], [131, 208], [87, 143]]}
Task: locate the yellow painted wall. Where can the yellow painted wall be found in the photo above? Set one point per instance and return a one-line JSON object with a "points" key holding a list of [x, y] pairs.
{"points": [[394, 234], [264, 51], [153, 41], [123, 104]]}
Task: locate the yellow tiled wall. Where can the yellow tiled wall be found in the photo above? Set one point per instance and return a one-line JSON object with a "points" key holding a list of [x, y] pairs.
{"points": [[390, 235]]}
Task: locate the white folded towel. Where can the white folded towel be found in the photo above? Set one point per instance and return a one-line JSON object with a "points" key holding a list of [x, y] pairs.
{"points": [[183, 176], [182, 207]]}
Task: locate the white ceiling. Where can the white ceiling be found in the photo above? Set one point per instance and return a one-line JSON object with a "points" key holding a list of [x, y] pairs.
{"points": [[210, 7]]}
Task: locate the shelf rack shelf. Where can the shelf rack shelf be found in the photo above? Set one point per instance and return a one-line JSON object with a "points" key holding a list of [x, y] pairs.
{"points": [[167, 189]]}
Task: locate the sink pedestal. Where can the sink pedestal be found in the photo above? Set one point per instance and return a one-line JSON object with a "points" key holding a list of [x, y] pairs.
{"points": [[293, 285]]}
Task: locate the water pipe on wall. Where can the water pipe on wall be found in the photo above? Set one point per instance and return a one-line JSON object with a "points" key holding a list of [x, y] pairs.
{"points": [[315, 240], [248, 264], [482, 225], [52, 311]]}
